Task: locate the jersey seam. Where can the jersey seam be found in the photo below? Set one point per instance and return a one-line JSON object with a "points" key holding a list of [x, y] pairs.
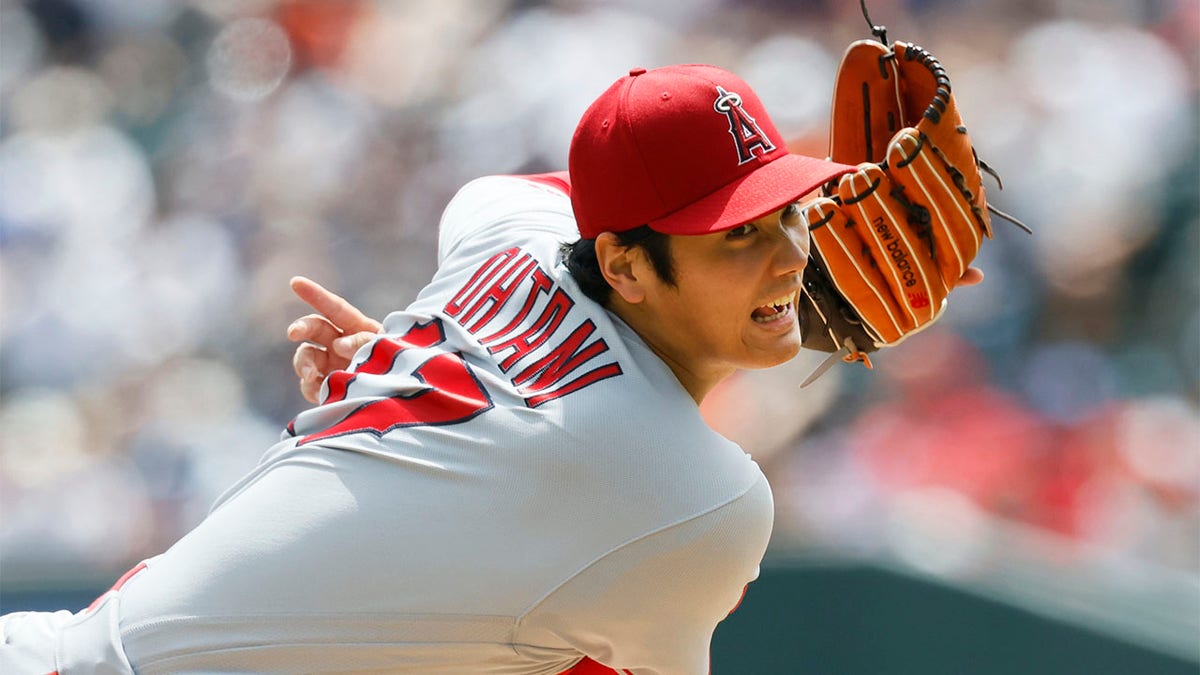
{"points": [[166, 661], [177, 620], [154, 623]]}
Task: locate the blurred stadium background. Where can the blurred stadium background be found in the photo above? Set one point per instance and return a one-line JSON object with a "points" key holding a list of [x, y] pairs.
{"points": [[1016, 490]]}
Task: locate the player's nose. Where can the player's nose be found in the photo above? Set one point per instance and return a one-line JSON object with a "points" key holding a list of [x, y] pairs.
{"points": [[791, 250]]}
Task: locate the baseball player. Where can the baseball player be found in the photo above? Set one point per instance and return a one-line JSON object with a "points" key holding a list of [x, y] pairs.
{"points": [[512, 474], [513, 477]]}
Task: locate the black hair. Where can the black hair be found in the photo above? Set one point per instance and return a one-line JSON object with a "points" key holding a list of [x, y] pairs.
{"points": [[580, 259]]}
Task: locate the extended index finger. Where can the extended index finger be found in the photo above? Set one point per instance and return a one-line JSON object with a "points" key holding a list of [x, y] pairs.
{"points": [[337, 309]]}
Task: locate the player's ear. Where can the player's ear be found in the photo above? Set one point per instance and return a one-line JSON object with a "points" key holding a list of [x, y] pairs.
{"points": [[624, 267]]}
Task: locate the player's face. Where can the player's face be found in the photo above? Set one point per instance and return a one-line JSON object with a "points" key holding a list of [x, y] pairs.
{"points": [[734, 301]]}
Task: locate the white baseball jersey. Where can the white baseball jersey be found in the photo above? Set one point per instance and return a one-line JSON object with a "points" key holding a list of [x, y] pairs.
{"points": [[507, 481]]}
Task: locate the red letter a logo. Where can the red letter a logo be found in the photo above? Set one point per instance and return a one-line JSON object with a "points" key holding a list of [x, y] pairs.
{"points": [[745, 131]]}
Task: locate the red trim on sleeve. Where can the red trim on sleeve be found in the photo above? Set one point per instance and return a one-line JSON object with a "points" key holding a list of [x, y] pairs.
{"points": [[559, 180], [739, 602], [117, 586]]}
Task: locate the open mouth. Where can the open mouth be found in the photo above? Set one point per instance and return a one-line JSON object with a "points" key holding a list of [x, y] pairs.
{"points": [[775, 310]]}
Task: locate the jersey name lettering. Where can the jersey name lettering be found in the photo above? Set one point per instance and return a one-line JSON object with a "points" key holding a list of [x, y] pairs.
{"points": [[537, 347], [556, 352]]}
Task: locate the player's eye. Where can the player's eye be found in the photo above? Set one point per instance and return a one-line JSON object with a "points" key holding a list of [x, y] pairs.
{"points": [[790, 216], [741, 231]]}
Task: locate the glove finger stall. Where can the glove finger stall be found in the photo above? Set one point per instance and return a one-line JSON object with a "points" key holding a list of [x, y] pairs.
{"points": [[898, 241], [850, 265], [868, 109], [955, 234], [827, 318], [927, 87]]}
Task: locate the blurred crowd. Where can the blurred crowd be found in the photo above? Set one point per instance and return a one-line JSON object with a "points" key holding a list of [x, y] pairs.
{"points": [[166, 166]]}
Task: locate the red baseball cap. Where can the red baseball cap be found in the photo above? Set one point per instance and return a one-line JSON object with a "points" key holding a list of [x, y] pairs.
{"points": [[685, 149]]}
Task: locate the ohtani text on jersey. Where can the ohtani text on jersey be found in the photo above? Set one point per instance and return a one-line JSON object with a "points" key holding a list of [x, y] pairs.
{"points": [[545, 357]]}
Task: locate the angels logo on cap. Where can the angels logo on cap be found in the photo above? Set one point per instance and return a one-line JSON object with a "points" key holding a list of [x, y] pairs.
{"points": [[745, 131], [654, 149]]}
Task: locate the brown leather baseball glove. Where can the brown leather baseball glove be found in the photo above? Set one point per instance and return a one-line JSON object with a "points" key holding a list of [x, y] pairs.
{"points": [[892, 239]]}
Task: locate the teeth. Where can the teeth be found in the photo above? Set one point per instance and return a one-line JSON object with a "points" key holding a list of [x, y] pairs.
{"points": [[784, 300], [784, 305]]}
